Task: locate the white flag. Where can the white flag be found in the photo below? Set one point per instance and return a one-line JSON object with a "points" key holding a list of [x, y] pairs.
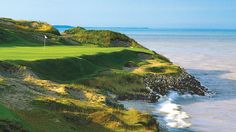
{"points": [[45, 37]]}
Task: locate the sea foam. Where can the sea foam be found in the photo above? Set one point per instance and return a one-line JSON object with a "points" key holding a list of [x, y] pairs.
{"points": [[174, 116]]}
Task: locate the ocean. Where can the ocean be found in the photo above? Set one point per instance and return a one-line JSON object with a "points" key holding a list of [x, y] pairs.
{"points": [[209, 55]]}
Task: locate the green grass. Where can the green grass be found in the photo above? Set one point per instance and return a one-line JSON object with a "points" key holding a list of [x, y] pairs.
{"points": [[6, 114], [69, 63], [54, 52], [87, 72], [11, 120], [10, 37]]}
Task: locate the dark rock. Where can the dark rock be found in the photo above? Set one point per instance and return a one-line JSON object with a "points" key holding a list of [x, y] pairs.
{"points": [[159, 85], [153, 97], [182, 83]]}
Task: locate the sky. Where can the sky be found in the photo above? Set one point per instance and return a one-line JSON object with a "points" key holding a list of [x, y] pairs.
{"points": [[218, 14]]}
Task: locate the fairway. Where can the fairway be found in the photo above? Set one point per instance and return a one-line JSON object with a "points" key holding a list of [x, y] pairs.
{"points": [[55, 52]]}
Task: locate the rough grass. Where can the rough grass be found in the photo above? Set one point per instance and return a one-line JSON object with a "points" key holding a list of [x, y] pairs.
{"points": [[15, 37], [101, 68], [170, 69], [103, 38], [25, 33], [118, 83], [157, 66], [67, 88], [29, 33], [57, 107], [63, 111], [33, 26], [95, 72], [88, 116]]}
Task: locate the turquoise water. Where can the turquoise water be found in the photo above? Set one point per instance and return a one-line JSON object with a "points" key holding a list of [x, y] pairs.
{"points": [[209, 55]]}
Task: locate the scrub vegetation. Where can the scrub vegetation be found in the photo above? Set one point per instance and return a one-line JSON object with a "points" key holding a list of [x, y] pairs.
{"points": [[103, 38]]}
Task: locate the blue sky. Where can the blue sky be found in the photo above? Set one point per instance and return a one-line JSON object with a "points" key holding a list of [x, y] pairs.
{"points": [[126, 13]]}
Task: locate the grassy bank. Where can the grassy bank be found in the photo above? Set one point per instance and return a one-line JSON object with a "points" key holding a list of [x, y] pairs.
{"points": [[83, 79], [72, 84]]}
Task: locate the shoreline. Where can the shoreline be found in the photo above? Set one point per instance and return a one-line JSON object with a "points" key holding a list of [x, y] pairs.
{"points": [[161, 85], [78, 85], [213, 70]]}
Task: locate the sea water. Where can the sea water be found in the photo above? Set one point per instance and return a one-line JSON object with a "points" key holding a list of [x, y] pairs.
{"points": [[209, 55]]}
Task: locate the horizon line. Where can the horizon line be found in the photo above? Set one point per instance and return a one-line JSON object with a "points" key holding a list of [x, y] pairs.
{"points": [[163, 28]]}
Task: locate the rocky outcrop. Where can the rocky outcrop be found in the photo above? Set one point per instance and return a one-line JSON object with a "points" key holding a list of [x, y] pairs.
{"points": [[158, 85], [181, 83]]}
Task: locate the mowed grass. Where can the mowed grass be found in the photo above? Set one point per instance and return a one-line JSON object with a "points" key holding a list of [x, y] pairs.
{"points": [[69, 63], [55, 52]]}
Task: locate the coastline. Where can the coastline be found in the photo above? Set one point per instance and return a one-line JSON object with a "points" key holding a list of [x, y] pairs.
{"points": [[161, 85], [215, 71], [65, 79]]}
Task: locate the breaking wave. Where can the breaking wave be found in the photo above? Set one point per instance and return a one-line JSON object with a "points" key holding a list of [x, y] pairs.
{"points": [[173, 114]]}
